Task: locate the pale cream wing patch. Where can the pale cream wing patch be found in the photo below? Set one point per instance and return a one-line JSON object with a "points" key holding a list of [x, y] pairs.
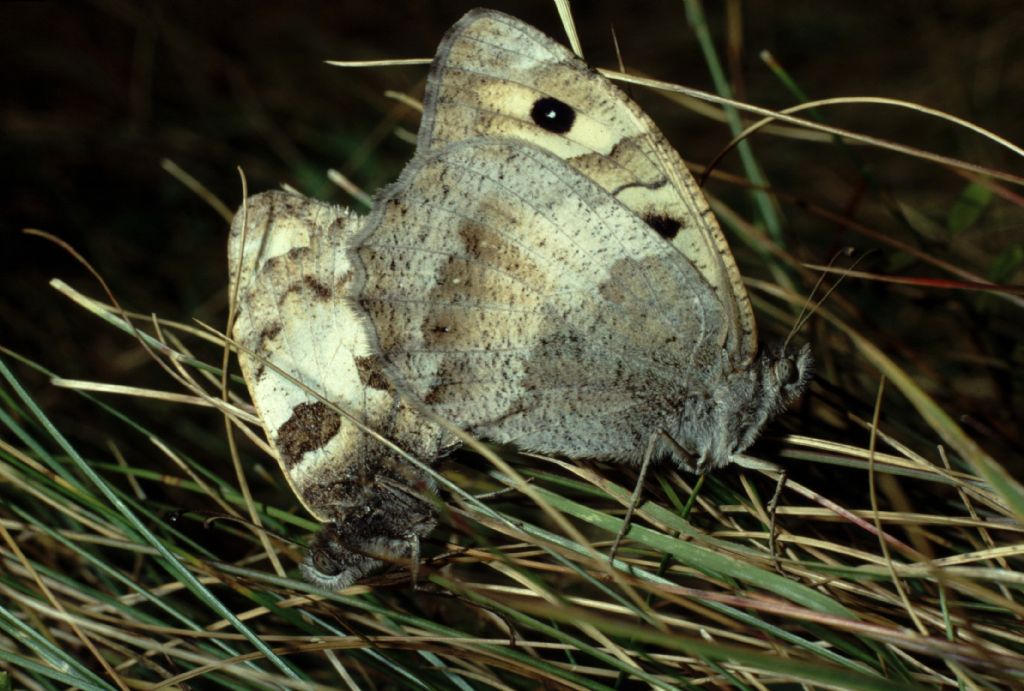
{"points": [[293, 276], [511, 294], [497, 76]]}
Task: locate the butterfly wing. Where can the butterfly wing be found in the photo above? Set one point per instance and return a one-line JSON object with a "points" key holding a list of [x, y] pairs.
{"points": [[511, 294], [497, 76], [299, 336]]}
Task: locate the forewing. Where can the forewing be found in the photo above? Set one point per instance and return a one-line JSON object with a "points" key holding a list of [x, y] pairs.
{"points": [[495, 75]]}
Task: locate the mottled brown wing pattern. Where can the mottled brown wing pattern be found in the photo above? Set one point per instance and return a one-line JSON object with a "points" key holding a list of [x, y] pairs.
{"points": [[304, 354], [496, 76]]}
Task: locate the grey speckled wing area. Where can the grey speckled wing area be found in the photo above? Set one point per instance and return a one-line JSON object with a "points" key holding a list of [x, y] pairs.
{"points": [[517, 298]]}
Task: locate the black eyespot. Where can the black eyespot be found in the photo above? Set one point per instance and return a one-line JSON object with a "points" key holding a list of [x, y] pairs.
{"points": [[665, 226], [553, 115]]}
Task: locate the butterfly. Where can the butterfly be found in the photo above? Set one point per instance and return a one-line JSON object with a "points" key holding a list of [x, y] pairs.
{"points": [[320, 392], [544, 273]]}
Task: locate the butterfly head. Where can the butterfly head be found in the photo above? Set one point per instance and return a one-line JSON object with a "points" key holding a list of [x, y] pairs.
{"points": [[383, 527], [331, 563], [727, 420]]}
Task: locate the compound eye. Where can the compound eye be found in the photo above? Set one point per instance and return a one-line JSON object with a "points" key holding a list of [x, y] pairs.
{"points": [[786, 371]]}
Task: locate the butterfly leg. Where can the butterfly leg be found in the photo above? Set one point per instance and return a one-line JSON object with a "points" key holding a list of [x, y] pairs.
{"points": [[773, 506], [659, 436], [645, 465]]}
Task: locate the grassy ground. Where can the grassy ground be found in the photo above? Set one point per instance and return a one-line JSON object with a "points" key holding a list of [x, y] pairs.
{"points": [[126, 536]]}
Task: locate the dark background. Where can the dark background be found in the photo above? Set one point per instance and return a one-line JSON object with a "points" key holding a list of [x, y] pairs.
{"points": [[96, 94]]}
